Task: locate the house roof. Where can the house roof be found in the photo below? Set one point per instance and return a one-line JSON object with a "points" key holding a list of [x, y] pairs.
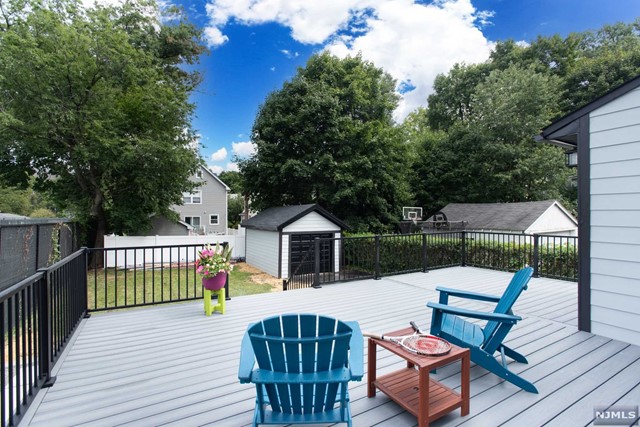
{"points": [[276, 218], [563, 132], [499, 216]]}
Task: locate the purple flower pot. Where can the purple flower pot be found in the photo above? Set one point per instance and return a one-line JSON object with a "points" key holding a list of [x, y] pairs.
{"points": [[215, 283]]}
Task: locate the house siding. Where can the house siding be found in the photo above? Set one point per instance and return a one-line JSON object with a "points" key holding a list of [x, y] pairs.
{"points": [[614, 154], [214, 201], [553, 221], [262, 250], [311, 223]]}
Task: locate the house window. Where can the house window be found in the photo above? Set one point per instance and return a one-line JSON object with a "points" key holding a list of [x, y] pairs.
{"points": [[213, 219], [194, 198], [192, 220]]}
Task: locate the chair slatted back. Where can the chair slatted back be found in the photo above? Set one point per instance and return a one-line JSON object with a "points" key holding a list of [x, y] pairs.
{"points": [[301, 343], [519, 283]]}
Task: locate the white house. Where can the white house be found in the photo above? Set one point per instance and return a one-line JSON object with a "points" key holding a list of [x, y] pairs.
{"points": [[606, 135], [541, 217], [278, 238]]}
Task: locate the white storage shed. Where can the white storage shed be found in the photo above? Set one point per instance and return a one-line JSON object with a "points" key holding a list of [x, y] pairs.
{"points": [[278, 238]]}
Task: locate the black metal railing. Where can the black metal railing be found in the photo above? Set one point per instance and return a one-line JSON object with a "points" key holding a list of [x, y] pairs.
{"points": [[39, 315], [376, 256], [143, 275]]}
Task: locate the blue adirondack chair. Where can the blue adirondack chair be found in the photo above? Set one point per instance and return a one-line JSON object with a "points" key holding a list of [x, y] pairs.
{"points": [[305, 362], [484, 342]]}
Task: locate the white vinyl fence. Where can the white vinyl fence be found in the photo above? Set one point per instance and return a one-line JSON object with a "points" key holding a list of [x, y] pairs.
{"points": [[138, 250]]}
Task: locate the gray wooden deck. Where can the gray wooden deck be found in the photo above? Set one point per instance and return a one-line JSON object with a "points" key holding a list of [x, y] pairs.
{"points": [[171, 365]]}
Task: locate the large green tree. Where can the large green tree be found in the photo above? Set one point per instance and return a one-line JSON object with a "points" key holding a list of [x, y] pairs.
{"points": [[490, 156], [95, 104], [328, 137]]}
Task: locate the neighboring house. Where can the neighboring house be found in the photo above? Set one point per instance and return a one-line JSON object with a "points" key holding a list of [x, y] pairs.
{"points": [[544, 217], [204, 211], [606, 135], [278, 238]]}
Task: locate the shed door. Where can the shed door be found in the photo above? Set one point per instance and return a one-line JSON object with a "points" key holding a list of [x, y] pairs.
{"points": [[300, 244]]}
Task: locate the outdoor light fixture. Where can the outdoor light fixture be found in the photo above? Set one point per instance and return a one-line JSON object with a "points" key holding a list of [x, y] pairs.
{"points": [[571, 158]]}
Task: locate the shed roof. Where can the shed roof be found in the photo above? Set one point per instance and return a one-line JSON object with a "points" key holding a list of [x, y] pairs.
{"points": [[276, 218], [499, 216]]}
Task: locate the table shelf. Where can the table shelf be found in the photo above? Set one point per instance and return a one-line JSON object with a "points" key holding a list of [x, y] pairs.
{"points": [[403, 388]]}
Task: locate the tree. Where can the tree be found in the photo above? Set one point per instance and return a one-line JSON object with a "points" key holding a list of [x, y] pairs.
{"points": [[491, 157], [233, 179], [328, 137], [96, 105]]}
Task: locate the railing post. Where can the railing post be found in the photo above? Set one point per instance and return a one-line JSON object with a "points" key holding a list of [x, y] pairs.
{"points": [[376, 274], [536, 256], [316, 274], [85, 279], [425, 265], [463, 249], [46, 343]]}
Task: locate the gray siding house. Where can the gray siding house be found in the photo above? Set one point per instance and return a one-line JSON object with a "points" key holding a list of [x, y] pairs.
{"points": [[278, 238], [206, 208], [606, 135], [202, 212]]}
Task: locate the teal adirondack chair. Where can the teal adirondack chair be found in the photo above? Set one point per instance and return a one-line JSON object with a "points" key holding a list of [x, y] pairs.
{"points": [[305, 363], [484, 342]]}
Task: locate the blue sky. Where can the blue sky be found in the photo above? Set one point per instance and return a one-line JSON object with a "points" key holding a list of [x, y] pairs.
{"points": [[257, 45]]}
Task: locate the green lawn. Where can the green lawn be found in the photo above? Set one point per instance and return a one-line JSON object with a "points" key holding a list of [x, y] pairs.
{"points": [[126, 287]]}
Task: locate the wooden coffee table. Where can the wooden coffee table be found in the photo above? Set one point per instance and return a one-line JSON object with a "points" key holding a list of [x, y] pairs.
{"points": [[412, 388]]}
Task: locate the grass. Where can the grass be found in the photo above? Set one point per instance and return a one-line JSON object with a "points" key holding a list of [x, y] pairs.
{"points": [[111, 288]]}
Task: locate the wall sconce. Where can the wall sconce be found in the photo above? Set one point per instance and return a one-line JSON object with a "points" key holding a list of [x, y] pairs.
{"points": [[571, 158]]}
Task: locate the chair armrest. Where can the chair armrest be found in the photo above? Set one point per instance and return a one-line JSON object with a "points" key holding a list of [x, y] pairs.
{"points": [[468, 295], [247, 359], [356, 351], [496, 317]]}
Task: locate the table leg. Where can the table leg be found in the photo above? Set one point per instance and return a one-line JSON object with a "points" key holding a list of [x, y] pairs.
{"points": [[423, 393], [371, 368], [464, 384]]}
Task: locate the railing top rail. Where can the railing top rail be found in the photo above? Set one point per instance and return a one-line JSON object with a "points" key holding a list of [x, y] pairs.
{"points": [[66, 260], [14, 289], [556, 236], [130, 248]]}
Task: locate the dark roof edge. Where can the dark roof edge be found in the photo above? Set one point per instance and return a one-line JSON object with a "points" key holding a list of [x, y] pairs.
{"points": [[548, 132], [315, 208]]}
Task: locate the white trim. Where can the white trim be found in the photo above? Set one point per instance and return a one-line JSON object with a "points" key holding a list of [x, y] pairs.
{"points": [[217, 219]]}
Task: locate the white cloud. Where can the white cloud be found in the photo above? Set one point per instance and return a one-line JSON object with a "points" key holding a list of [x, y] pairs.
{"points": [[214, 37], [310, 21], [243, 149], [413, 41], [219, 155], [289, 54], [232, 167], [416, 42], [216, 169]]}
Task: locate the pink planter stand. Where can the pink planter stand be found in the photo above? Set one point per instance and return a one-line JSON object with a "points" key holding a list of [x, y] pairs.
{"points": [[215, 283]]}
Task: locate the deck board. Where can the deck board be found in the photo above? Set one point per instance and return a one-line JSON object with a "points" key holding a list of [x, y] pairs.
{"points": [[171, 365]]}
